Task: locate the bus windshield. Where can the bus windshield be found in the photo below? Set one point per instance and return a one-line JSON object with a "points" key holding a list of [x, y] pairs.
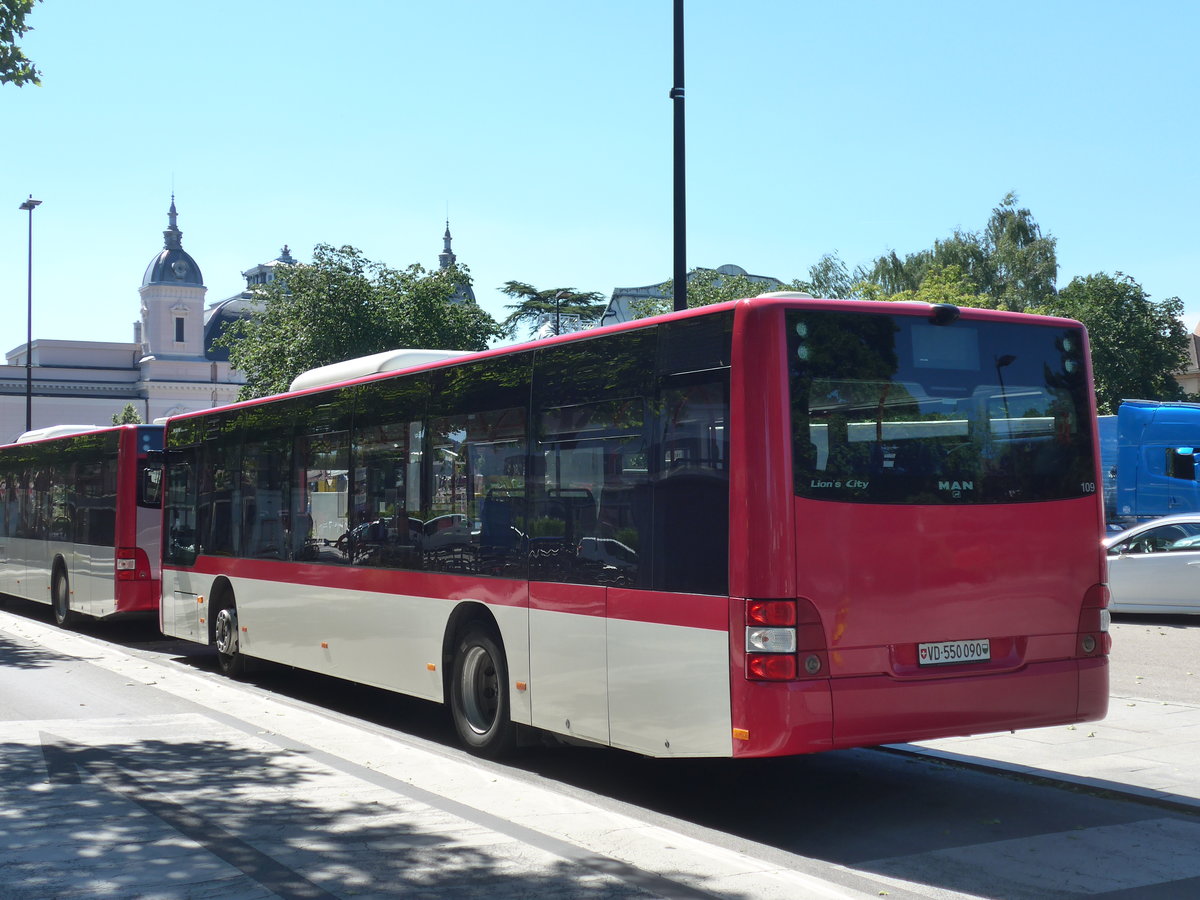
{"points": [[898, 409]]}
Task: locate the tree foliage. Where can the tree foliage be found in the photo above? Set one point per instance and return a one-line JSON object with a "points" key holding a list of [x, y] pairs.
{"points": [[344, 306], [128, 416], [1009, 261], [828, 277], [940, 284], [15, 67], [1137, 344], [556, 305]]}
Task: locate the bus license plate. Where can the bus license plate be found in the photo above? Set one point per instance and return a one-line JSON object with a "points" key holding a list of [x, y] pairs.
{"points": [[944, 653]]}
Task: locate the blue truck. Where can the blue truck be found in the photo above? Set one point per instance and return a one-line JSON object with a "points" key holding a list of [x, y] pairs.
{"points": [[1148, 454]]}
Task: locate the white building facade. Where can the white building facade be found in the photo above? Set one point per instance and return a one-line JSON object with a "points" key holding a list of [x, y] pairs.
{"points": [[169, 367]]}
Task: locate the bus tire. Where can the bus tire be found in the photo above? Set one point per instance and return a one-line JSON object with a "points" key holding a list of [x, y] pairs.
{"points": [[225, 635], [60, 599], [479, 702]]}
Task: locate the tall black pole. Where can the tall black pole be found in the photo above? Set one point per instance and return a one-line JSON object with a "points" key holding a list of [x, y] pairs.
{"points": [[29, 205], [680, 269]]}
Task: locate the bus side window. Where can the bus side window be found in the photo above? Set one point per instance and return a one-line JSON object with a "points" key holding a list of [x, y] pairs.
{"points": [[590, 510], [321, 476], [265, 465], [691, 487], [380, 533], [473, 498], [95, 502], [5, 502], [217, 466], [218, 496], [179, 508]]}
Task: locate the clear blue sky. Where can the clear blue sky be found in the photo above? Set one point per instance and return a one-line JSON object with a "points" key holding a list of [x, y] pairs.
{"points": [[543, 127]]}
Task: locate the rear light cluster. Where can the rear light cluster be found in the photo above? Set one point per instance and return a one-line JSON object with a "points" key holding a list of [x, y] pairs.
{"points": [[1093, 637], [132, 564], [785, 641]]}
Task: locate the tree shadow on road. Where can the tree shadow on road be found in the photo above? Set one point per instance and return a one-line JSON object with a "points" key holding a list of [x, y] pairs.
{"points": [[25, 656], [233, 818]]}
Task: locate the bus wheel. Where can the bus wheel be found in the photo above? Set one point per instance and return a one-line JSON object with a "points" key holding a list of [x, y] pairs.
{"points": [[60, 599], [479, 695], [225, 630]]}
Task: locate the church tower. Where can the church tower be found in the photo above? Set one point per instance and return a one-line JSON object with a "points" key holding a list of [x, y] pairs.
{"points": [[446, 258], [173, 300], [176, 374], [463, 293]]}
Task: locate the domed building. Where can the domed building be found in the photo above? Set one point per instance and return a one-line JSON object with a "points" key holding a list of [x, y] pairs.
{"points": [[169, 367], [178, 374], [173, 264], [219, 315]]}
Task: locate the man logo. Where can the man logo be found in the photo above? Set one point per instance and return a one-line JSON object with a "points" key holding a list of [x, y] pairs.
{"points": [[956, 485]]}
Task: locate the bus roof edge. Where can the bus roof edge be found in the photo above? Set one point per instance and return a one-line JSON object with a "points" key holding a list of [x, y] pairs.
{"points": [[54, 431], [387, 361]]}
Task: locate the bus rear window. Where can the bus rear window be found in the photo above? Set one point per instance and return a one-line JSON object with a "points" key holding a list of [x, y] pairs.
{"points": [[897, 409]]}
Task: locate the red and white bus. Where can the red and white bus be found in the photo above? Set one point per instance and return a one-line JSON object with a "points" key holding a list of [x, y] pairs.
{"points": [[768, 527], [80, 519]]}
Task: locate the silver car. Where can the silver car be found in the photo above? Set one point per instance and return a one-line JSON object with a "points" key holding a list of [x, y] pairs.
{"points": [[1154, 567]]}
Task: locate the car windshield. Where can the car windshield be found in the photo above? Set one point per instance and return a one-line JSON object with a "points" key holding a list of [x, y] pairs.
{"points": [[897, 409]]}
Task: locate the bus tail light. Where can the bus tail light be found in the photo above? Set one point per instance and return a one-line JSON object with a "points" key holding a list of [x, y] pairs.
{"points": [[1093, 637], [770, 612], [132, 564], [771, 666], [785, 641]]}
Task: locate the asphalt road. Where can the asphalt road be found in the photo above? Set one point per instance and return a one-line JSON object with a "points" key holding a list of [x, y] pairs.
{"points": [[1156, 657]]}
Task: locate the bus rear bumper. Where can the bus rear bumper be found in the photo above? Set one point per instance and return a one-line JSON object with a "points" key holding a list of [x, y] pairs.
{"points": [[137, 596], [880, 709]]}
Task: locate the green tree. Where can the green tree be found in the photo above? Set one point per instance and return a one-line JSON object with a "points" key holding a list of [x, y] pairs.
{"points": [[893, 275], [556, 305], [15, 67], [127, 416], [1137, 344], [1023, 263], [829, 277], [940, 285], [1009, 261], [344, 306]]}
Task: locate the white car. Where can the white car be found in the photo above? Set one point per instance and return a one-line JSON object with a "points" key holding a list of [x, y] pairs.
{"points": [[1154, 567]]}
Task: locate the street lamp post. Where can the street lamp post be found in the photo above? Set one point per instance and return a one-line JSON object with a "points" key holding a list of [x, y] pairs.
{"points": [[29, 206], [679, 281]]}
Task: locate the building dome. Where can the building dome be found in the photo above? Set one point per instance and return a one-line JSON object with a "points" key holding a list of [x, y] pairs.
{"points": [[173, 267], [173, 264]]}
